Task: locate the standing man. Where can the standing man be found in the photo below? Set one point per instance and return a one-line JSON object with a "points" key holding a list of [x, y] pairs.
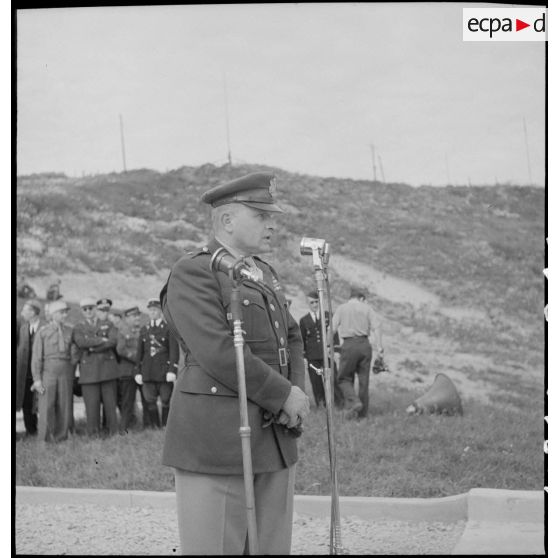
{"points": [[202, 441], [96, 343], [53, 375], [26, 399], [157, 363], [311, 330], [127, 349], [355, 321]]}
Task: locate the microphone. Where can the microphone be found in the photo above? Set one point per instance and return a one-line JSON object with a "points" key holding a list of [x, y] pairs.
{"points": [[223, 261], [309, 245]]}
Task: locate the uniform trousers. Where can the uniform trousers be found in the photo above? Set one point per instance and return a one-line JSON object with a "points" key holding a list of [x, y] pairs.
{"points": [[152, 390], [356, 356], [93, 394], [29, 408], [56, 403], [317, 384], [126, 398], [212, 516]]}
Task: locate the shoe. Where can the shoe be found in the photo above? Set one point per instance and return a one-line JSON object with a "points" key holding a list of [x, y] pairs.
{"points": [[352, 412]]}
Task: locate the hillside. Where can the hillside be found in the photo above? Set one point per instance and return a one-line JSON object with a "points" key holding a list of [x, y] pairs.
{"points": [[455, 271]]}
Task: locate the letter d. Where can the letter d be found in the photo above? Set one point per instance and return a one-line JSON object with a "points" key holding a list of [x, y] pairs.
{"points": [[542, 21]]}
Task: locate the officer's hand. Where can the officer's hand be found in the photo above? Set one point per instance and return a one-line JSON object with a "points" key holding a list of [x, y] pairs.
{"points": [[38, 387], [139, 379], [297, 406], [283, 418], [171, 377]]}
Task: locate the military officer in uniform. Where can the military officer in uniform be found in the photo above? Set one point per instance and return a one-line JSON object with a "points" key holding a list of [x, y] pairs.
{"points": [[157, 363], [311, 330], [127, 349], [202, 440], [95, 340], [53, 375]]}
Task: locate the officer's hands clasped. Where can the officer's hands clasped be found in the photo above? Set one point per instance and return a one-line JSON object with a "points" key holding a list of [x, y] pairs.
{"points": [[295, 409]]}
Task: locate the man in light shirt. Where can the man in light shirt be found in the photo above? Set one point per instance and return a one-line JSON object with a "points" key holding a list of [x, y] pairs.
{"points": [[356, 323]]}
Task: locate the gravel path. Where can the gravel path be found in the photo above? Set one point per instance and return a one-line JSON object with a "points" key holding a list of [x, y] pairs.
{"points": [[73, 529]]}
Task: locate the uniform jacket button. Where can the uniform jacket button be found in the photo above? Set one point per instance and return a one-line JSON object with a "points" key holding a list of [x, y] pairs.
{"points": [[276, 324], [246, 302], [213, 389], [272, 307]]}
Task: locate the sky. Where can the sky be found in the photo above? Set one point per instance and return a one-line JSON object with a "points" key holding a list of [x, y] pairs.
{"points": [[309, 88]]}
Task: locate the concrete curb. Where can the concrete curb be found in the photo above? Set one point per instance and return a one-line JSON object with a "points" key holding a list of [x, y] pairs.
{"points": [[479, 504]]}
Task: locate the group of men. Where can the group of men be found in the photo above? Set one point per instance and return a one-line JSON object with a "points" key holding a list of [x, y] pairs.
{"points": [[103, 361]]}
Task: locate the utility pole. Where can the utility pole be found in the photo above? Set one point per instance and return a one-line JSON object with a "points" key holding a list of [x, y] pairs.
{"points": [[527, 151], [227, 121], [122, 142], [373, 160], [381, 169]]}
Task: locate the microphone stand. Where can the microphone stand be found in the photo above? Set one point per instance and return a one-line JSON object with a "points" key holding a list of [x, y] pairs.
{"points": [[244, 430], [320, 265]]}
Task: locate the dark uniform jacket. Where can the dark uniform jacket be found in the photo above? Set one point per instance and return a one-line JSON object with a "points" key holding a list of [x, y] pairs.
{"points": [[312, 336], [202, 432], [127, 348], [96, 344], [157, 352], [23, 359]]}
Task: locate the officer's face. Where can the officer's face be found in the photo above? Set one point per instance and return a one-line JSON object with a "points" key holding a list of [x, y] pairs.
{"points": [[154, 312], [60, 316], [313, 304], [102, 314], [252, 230]]}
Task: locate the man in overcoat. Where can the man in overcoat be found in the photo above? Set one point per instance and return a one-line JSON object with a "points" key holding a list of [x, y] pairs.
{"points": [[202, 441], [26, 399], [53, 375], [96, 343], [156, 363]]}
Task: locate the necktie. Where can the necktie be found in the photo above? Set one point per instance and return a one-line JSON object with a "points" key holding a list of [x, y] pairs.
{"points": [[61, 343]]}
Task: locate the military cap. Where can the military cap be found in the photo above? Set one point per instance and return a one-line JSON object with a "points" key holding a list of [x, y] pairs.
{"points": [[134, 311], [116, 313], [57, 305], [88, 301], [313, 295], [35, 304], [254, 190], [104, 304], [154, 302]]}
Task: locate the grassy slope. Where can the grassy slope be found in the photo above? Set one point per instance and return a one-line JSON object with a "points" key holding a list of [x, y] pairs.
{"points": [[478, 247]]}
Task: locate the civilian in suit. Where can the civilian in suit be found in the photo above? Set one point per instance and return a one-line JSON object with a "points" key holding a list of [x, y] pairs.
{"points": [[202, 440], [157, 363], [127, 349], [53, 375], [311, 330], [95, 341], [26, 399]]}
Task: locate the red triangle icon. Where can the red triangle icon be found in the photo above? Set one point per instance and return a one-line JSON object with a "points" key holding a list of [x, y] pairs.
{"points": [[519, 25]]}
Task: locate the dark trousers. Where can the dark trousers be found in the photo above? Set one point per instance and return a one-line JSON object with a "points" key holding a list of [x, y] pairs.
{"points": [[126, 398], [93, 394], [317, 384], [152, 390], [356, 356], [29, 408]]}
